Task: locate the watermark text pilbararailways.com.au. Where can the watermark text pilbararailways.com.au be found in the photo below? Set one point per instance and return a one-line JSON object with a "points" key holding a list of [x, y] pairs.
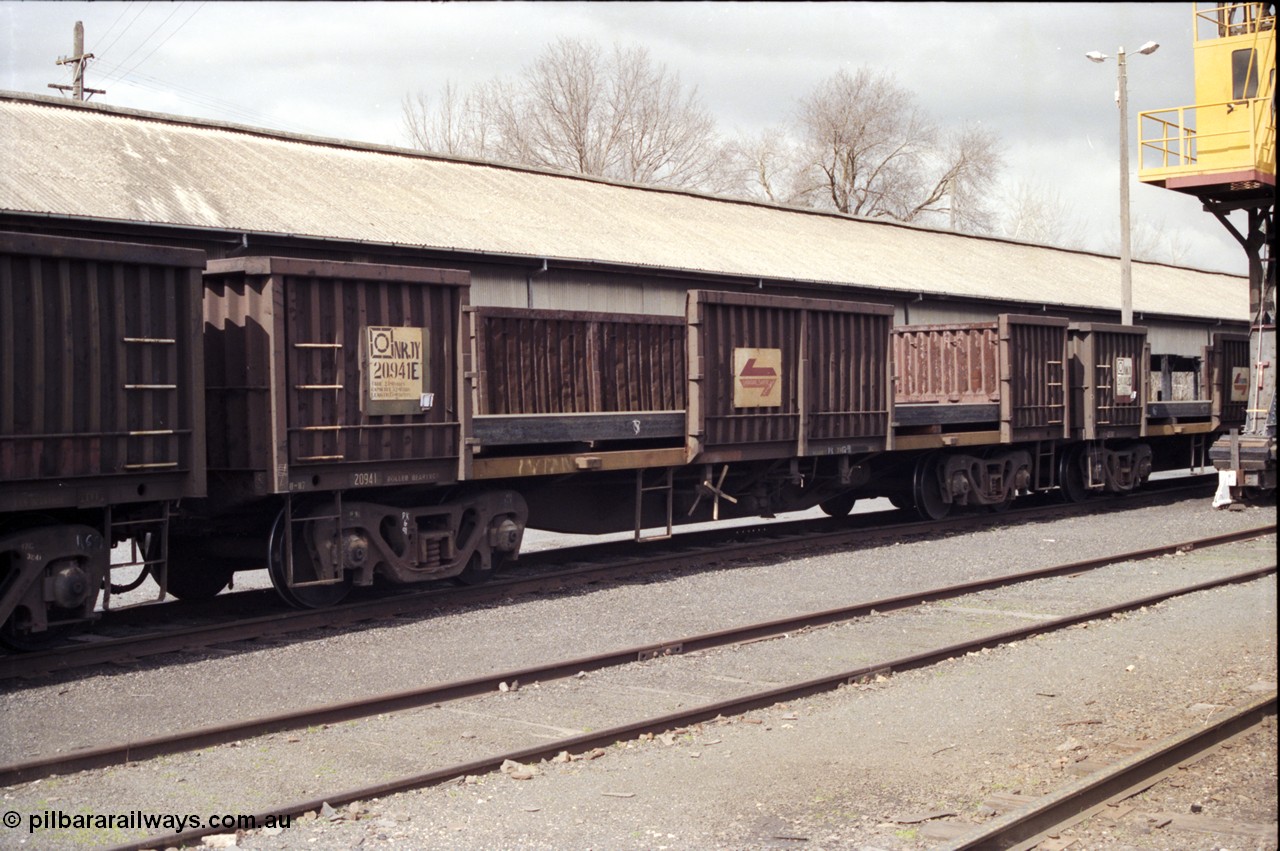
{"points": [[48, 820]]}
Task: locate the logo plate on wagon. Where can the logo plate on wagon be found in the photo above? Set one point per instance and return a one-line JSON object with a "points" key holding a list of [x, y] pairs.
{"points": [[757, 378]]}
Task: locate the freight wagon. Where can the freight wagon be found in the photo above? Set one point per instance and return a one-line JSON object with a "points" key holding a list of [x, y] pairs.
{"points": [[338, 422]]}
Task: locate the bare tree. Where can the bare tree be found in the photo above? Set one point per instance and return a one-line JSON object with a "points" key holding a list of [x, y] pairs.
{"points": [[1154, 242], [579, 109], [767, 165], [867, 149], [566, 102], [415, 118], [460, 124], [1037, 213], [966, 169]]}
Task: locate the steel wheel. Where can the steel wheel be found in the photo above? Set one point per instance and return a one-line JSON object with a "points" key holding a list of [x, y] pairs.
{"points": [[192, 575], [1071, 484], [927, 490], [473, 574], [16, 634], [838, 506], [999, 507], [305, 568]]}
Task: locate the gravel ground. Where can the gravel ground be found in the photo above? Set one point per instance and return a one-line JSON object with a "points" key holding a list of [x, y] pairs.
{"points": [[852, 769]]}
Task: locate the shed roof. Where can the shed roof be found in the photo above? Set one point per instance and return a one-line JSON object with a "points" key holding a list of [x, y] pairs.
{"points": [[67, 159]]}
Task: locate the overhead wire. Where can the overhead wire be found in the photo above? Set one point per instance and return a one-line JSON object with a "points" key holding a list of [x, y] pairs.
{"points": [[144, 42], [190, 95], [137, 9], [117, 72], [176, 30], [140, 10], [107, 32]]}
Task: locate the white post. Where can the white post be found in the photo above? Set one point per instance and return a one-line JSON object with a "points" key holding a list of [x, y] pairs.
{"points": [[1126, 256]]}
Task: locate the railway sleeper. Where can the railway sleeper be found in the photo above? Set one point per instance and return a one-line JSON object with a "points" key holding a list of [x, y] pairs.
{"points": [[336, 544], [49, 578]]}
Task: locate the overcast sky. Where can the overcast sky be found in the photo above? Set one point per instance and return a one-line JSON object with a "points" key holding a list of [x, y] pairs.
{"points": [[342, 69]]}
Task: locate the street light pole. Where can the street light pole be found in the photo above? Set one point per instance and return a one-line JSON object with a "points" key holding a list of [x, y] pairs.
{"points": [[1126, 250]]}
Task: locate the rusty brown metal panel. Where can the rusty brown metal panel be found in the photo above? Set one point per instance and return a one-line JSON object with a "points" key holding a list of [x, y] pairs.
{"points": [[946, 363], [294, 383], [1110, 376], [100, 370], [773, 376], [1017, 361], [573, 362], [1229, 378]]}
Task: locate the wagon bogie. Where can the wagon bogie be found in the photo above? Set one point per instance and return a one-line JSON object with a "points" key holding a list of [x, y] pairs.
{"points": [[356, 540], [993, 478], [49, 577]]}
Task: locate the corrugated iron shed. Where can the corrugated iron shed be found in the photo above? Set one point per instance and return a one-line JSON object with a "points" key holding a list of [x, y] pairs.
{"points": [[72, 160]]}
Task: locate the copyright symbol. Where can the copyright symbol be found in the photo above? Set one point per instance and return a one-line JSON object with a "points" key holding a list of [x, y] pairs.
{"points": [[12, 819]]}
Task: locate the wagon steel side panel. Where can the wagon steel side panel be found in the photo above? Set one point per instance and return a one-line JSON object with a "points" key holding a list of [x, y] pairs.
{"points": [[1110, 377], [571, 362], [101, 374], [1017, 362], [849, 397], [775, 377], [1229, 379], [295, 387], [1034, 402]]}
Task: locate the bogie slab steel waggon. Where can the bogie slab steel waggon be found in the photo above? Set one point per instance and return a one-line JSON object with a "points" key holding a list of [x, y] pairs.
{"points": [[344, 423]]}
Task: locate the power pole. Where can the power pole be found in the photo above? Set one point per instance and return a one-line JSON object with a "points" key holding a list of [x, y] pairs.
{"points": [[80, 59]]}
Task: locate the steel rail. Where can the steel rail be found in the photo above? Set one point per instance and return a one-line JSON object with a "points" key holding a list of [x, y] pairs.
{"points": [[397, 701], [1027, 826], [704, 712], [184, 639]]}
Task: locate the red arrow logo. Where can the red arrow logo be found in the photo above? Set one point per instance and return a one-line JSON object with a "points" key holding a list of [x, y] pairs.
{"points": [[758, 377]]}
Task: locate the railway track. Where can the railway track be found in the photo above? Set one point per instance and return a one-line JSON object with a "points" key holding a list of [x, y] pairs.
{"points": [[328, 714], [1027, 826], [538, 573], [685, 718]]}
